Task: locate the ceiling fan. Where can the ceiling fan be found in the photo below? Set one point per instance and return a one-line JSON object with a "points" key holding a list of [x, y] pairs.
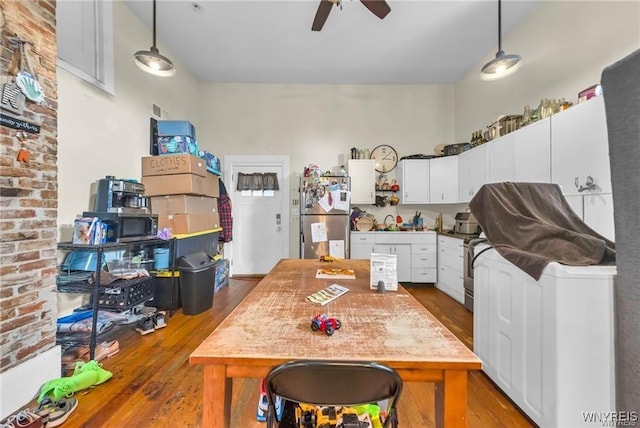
{"points": [[379, 8]]}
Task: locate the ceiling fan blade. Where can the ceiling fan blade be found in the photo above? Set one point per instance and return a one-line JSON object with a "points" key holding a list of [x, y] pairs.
{"points": [[379, 8], [321, 15]]}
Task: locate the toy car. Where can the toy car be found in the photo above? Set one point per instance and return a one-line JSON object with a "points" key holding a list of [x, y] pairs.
{"points": [[323, 323]]}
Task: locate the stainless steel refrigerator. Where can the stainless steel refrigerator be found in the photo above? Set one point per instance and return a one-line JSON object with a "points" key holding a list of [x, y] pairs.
{"points": [[324, 216]]}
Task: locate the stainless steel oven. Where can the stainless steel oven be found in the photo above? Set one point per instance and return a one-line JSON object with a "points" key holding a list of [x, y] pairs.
{"points": [[469, 244]]}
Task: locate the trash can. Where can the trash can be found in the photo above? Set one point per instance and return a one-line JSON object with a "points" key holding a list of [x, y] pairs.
{"points": [[197, 280]]}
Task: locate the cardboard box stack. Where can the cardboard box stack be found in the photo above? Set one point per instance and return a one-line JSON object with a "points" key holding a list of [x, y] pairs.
{"points": [[182, 192]]}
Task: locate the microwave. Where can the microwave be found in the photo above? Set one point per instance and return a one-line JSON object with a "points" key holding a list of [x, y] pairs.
{"points": [[127, 227]]}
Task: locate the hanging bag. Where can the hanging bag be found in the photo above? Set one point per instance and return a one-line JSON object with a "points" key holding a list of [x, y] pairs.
{"points": [[26, 79]]}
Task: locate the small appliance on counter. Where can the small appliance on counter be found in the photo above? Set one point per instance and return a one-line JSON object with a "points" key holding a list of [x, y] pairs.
{"points": [[456, 149], [466, 224], [121, 204]]}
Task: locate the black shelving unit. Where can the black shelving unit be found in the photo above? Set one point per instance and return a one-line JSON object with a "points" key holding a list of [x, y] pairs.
{"points": [[89, 282]]}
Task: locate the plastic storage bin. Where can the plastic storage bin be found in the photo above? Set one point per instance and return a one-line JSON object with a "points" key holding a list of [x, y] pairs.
{"points": [[162, 291], [197, 280]]}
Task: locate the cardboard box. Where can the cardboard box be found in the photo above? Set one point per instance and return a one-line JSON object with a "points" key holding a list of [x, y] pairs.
{"points": [[181, 184], [177, 144], [174, 164], [188, 223], [183, 204], [176, 127]]}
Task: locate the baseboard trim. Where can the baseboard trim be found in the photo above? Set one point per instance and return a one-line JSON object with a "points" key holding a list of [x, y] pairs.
{"points": [[19, 384]]}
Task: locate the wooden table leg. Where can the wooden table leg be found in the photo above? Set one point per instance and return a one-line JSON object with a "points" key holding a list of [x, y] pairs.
{"points": [[216, 400], [451, 400]]}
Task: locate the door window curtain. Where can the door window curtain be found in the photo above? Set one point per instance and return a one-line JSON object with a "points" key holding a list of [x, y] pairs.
{"points": [[257, 182]]}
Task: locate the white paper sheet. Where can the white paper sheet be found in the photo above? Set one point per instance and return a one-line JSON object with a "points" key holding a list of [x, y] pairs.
{"points": [[318, 232], [341, 199], [336, 248], [384, 267], [325, 203]]}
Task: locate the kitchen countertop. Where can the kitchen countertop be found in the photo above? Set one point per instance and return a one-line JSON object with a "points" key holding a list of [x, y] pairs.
{"points": [[452, 234]]}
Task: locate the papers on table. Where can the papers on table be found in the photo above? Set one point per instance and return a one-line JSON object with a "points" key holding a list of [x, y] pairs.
{"points": [[384, 267]]}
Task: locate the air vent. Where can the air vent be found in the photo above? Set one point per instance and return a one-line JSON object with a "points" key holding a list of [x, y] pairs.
{"points": [[157, 111]]}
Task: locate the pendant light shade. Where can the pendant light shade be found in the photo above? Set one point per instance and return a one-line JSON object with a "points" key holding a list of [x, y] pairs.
{"points": [[503, 64], [152, 61]]}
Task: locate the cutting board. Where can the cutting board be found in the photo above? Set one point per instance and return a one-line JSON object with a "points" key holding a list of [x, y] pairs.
{"points": [[335, 274]]}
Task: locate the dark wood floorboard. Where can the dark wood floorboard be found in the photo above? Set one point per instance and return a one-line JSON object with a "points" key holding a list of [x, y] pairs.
{"points": [[154, 385]]}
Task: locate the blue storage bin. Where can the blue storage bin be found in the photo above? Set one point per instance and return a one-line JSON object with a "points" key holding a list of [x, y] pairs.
{"points": [[176, 127]]}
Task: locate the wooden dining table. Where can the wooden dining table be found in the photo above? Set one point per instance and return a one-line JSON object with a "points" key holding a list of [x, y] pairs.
{"points": [[272, 325]]}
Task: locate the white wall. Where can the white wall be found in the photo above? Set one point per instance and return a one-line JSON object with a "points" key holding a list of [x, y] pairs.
{"points": [[564, 46], [320, 123], [100, 134]]}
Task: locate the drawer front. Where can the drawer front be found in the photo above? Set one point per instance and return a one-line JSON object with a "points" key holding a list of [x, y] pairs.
{"points": [[452, 258], [424, 275], [363, 238], [451, 277], [424, 238], [424, 260], [450, 242], [392, 238], [424, 249]]}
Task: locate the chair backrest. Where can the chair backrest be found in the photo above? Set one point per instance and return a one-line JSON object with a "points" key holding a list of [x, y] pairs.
{"points": [[333, 383]]}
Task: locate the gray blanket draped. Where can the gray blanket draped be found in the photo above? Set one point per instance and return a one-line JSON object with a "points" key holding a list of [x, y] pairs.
{"points": [[531, 225]]}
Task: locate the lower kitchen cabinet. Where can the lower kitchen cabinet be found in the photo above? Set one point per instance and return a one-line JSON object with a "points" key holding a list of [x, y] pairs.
{"points": [[451, 267], [403, 253], [416, 252], [362, 245]]}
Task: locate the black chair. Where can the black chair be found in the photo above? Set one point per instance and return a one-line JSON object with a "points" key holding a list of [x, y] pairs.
{"points": [[333, 383]]}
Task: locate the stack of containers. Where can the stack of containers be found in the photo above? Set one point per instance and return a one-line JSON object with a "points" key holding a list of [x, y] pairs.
{"points": [[182, 192]]}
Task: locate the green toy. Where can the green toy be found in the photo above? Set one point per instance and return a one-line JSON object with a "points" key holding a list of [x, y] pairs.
{"points": [[84, 376], [374, 413]]}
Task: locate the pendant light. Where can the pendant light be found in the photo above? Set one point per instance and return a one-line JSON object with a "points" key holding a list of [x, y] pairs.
{"points": [[152, 61], [503, 64]]}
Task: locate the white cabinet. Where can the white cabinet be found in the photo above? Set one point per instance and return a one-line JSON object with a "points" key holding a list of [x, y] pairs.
{"points": [[413, 178], [537, 339], [580, 149], [362, 245], [362, 173], [580, 163], [396, 243], [443, 180], [416, 252], [424, 257], [522, 156], [596, 211], [472, 167], [451, 267]]}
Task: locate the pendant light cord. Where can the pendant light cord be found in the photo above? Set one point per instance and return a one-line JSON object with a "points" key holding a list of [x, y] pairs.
{"points": [[499, 25], [154, 23]]}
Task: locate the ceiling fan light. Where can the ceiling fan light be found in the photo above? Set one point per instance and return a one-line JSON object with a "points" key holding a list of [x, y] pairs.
{"points": [[502, 65], [154, 63]]}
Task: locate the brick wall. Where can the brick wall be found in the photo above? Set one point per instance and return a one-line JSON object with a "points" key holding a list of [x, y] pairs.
{"points": [[28, 193]]}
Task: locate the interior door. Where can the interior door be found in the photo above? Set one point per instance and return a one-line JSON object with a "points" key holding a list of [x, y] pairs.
{"points": [[260, 219]]}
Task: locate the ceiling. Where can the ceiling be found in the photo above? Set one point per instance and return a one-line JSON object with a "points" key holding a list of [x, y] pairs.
{"points": [[270, 41]]}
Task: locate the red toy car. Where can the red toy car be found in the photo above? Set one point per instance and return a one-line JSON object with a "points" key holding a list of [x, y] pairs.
{"points": [[323, 323]]}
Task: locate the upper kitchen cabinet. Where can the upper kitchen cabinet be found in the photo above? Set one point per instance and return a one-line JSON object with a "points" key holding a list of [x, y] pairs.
{"points": [[443, 180], [472, 167], [522, 156], [363, 181], [580, 149], [413, 178]]}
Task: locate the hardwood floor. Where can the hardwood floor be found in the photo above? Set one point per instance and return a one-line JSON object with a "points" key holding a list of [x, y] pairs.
{"points": [[154, 385]]}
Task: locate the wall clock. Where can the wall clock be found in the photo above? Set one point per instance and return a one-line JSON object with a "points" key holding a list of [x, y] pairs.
{"points": [[386, 158]]}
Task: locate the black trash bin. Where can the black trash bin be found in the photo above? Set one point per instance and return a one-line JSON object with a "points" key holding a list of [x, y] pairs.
{"points": [[197, 282]]}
